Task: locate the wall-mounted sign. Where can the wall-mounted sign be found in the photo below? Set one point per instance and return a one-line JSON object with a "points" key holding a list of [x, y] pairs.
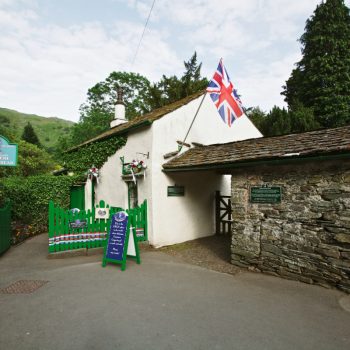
{"points": [[176, 191], [265, 194], [102, 213], [121, 241], [8, 152]]}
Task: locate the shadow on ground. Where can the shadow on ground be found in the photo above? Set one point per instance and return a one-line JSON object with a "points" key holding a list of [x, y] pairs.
{"points": [[209, 252]]}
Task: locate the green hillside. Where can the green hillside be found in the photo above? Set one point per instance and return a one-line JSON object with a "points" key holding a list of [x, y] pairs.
{"points": [[48, 130]]}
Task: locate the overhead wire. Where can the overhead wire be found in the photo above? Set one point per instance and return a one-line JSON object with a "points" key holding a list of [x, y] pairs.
{"points": [[143, 33]]}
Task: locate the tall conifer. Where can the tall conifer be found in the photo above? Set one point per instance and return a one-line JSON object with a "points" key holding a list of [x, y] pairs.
{"points": [[30, 136], [321, 79]]}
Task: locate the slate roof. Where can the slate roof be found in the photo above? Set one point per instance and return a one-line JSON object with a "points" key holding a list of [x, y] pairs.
{"points": [[141, 121], [286, 147]]}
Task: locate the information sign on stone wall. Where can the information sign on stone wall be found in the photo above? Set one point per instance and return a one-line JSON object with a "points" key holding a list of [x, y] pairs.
{"points": [[265, 194]]}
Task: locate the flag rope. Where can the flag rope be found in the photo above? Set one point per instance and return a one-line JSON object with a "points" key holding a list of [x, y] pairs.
{"points": [[194, 118]]}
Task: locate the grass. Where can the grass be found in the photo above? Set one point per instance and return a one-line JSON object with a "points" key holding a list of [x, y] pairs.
{"points": [[48, 130]]}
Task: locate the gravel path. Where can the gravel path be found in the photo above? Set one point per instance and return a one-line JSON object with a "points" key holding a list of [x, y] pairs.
{"points": [[209, 252]]}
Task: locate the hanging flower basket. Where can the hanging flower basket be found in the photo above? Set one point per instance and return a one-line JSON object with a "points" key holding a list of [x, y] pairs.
{"points": [[93, 174], [137, 166]]}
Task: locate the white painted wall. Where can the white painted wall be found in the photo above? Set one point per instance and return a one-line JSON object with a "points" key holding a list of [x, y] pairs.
{"points": [[112, 188], [178, 219], [88, 194], [173, 219]]}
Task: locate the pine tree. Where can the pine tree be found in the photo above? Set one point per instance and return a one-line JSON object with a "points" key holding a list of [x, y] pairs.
{"points": [[192, 80], [321, 80], [30, 136]]}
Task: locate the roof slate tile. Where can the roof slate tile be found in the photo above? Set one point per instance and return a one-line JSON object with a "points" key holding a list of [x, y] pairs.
{"points": [[312, 143]]}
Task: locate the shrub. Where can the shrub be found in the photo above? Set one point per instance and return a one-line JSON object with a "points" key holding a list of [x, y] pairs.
{"points": [[30, 201]]}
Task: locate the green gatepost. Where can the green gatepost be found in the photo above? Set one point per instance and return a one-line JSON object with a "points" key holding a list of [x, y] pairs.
{"points": [[119, 244]]}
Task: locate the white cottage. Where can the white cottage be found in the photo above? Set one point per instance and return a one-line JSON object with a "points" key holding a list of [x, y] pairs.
{"points": [[180, 206]]}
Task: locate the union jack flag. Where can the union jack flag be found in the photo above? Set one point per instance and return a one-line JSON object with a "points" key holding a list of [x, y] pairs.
{"points": [[225, 96]]}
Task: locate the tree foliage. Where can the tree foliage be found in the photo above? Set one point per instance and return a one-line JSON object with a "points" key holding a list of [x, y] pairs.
{"points": [[140, 96], [280, 121], [30, 136], [30, 198], [32, 160], [321, 79], [96, 153], [171, 89], [5, 128]]}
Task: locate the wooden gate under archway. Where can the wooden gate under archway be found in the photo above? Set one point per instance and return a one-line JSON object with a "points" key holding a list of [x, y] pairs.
{"points": [[223, 214]]}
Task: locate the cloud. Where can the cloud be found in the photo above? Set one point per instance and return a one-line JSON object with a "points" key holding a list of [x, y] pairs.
{"points": [[48, 69], [47, 65]]}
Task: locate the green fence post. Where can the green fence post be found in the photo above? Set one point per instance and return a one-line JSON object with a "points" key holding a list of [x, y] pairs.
{"points": [[51, 227], [5, 227]]}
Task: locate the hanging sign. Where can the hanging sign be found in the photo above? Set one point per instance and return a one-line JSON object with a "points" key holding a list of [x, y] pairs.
{"points": [[121, 241], [8, 152]]}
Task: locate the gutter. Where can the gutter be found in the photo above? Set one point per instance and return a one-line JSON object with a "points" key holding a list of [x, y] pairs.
{"points": [[254, 163]]}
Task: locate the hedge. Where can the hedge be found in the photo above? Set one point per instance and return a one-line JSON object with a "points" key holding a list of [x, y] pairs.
{"points": [[30, 201]]}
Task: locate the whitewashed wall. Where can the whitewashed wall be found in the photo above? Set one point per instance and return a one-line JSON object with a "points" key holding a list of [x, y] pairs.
{"points": [[88, 194], [178, 219], [112, 188], [173, 219]]}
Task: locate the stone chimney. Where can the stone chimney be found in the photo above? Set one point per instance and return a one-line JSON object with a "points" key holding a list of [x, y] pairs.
{"points": [[119, 110]]}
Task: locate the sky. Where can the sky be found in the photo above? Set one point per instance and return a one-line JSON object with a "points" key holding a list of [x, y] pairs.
{"points": [[53, 51]]}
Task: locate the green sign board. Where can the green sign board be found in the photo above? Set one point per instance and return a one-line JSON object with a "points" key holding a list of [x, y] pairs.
{"points": [[176, 191], [265, 194], [8, 153]]}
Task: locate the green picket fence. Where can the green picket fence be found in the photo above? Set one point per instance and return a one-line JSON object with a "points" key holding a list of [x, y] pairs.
{"points": [[5, 227], [69, 231]]}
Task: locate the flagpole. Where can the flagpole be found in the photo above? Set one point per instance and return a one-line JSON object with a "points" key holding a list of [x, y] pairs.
{"points": [[194, 118]]}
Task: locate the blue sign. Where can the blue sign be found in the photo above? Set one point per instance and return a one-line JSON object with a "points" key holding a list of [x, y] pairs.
{"points": [[8, 152], [116, 239]]}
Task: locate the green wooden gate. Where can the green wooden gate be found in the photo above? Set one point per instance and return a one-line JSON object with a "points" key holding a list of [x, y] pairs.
{"points": [[5, 227], [77, 197]]}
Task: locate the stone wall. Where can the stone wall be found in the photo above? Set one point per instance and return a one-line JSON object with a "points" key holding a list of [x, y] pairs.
{"points": [[307, 236]]}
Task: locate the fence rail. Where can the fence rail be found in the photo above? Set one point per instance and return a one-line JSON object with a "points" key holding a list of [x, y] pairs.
{"points": [[69, 230], [5, 227]]}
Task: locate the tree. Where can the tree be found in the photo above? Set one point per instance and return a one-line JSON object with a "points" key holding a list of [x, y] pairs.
{"points": [[321, 79], [192, 80], [171, 89], [6, 129], [140, 97], [32, 160], [97, 112], [278, 122], [258, 118], [302, 118], [30, 136]]}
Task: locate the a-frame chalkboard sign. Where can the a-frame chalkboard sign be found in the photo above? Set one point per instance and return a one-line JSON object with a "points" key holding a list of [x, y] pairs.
{"points": [[121, 241]]}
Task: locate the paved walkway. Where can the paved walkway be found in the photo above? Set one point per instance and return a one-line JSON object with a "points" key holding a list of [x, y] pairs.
{"points": [[160, 304]]}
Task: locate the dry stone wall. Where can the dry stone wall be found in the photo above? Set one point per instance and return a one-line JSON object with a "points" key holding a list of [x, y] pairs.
{"points": [[307, 236]]}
